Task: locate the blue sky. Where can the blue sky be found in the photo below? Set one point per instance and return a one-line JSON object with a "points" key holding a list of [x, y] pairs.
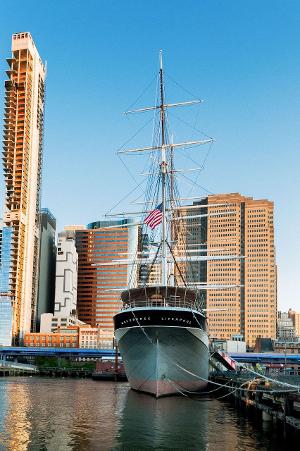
{"points": [[242, 57]]}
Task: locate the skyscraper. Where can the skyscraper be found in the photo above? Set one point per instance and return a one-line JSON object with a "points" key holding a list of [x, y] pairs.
{"points": [[47, 259], [295, 316], [22, 159], [5, 321], [103, 269], [245, 302]]}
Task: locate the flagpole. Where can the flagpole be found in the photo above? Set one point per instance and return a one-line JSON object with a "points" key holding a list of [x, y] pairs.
{"points": [[163, 175]]}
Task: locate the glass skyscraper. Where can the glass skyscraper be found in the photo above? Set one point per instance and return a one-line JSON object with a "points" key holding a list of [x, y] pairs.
{"points": [[46, 290], [5, 260], [5, 322]]}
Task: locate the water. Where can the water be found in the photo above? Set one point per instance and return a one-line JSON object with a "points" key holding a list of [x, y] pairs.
{"points": [[77, 414]]}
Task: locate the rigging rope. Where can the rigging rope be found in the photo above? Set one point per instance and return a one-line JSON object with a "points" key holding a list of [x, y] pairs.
{"points": [[125, 197], [142, 93]]}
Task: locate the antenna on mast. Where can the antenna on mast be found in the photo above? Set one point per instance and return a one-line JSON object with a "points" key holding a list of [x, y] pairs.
{"points": [[163, 167]]}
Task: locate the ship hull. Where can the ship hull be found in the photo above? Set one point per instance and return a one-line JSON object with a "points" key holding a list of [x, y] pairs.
{"points": [[164, 360]]}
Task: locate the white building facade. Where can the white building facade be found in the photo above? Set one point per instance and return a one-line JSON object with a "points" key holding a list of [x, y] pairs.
{"points": [[66, 275]]}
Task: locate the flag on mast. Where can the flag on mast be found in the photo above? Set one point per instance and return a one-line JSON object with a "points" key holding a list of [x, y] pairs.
{"points": [[155, 217]]}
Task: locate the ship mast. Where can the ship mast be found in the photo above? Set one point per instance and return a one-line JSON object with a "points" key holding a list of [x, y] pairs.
{"points": [[163, 168], [165, 189]]}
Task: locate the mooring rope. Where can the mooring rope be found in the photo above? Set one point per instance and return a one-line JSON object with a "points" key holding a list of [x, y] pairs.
{"points": [[242, 388]]}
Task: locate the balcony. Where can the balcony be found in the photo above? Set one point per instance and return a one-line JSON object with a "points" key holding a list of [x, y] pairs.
{"points": [[11, 72], [11, 61]]}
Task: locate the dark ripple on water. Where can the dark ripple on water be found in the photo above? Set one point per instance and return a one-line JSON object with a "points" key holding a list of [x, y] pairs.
{"points": [[66, 414]]}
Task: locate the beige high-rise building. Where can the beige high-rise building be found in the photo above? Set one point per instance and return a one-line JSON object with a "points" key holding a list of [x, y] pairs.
{"points": [[245, 302], [295, 316], [22, 159]]}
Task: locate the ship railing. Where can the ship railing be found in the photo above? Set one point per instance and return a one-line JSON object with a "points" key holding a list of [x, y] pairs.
{"points": [[180, 303]]}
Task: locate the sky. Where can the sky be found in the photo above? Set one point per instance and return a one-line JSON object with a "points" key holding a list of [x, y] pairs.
{"points": [[241, 57]]}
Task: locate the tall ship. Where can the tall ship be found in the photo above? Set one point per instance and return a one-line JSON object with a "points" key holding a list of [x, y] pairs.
{"points": [[161, 330]]}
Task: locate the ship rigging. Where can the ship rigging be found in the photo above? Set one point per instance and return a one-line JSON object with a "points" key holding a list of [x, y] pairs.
{"points": [[162, 325]]}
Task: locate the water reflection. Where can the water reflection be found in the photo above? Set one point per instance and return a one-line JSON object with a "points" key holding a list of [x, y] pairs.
{"points": [[15, 425], [84, 415], [166, 423], [59, 414]]}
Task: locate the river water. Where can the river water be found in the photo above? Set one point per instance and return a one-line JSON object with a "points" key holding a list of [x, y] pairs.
{"points": [[80, 414]]}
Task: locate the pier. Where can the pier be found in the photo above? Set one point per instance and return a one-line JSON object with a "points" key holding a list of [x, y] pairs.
{"points": [[274, 391], [17, 369], [65, 372], [275, 402]]}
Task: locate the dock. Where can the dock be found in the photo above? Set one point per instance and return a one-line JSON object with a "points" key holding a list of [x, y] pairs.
{"points": [[275, 395], [17, 369]]}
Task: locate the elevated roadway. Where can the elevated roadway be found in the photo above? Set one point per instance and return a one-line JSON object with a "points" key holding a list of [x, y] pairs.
{"points": [[18, 351], [248, 357], [266, 358]]}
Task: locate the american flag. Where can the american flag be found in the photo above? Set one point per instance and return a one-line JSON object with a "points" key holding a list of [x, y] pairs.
{"points": [[154, 218]]}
